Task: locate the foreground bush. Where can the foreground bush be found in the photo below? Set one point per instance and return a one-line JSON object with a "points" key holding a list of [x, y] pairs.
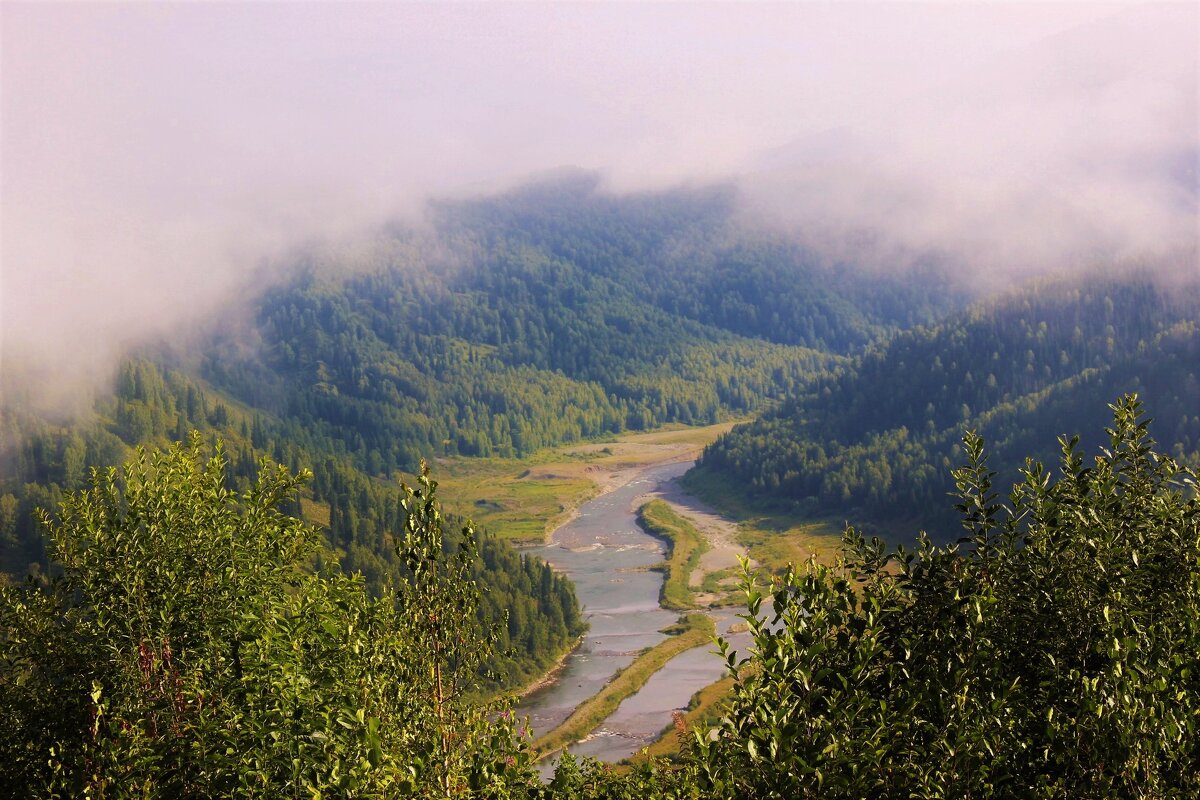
{"points": [[1054, 653], [187, 649]]}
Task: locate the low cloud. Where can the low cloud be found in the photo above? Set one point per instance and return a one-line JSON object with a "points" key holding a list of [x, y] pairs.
{"points": [[155, 157], [1074, 151]]}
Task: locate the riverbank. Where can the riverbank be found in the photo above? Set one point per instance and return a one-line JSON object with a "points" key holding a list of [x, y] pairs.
{"points": [[685, 546], [698, 629], [703, 711], [550, 675], [597, 700], [773, 540], [715, 576], [525, 500]]}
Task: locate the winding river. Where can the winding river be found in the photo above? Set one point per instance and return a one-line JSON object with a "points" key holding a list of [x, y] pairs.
{"points": [[606, 554]]}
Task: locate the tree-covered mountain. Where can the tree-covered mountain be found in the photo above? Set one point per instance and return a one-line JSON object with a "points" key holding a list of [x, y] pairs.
{"points": [[690, 253], [545, 315], [874, 440], [549, 314]]}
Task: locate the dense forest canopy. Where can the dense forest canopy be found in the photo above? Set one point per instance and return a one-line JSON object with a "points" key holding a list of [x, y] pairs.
{"points": [[550, 314], [361, 517], [873, 439]]}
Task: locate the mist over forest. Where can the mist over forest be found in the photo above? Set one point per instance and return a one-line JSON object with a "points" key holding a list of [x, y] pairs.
{"points": [[160, 162], [885, 315]]}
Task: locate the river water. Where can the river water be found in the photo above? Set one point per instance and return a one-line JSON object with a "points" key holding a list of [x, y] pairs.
{"points": [[606, 554]]}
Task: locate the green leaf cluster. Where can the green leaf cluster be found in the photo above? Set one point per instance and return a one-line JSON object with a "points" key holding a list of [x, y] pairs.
{"points": [[185, 648], [1053, 652], [360, 516]]}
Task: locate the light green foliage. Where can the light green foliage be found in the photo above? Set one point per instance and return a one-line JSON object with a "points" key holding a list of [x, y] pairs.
{"points": [[1053, 656], [187, 650], [359, 515], [588, 779], [471, 745]]}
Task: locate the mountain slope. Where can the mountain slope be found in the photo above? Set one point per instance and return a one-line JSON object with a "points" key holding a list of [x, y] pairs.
{"points": [[534, 610], [875, 440], [547, 315], [529, 319]]}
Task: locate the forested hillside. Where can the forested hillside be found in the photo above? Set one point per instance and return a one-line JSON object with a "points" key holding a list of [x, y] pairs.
{"points": [[360, 516], [545, 315], [874, 440], [687, 252], [549, 314]]}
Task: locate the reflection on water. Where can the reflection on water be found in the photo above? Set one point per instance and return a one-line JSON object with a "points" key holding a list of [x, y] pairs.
{"points": [[605, 553]]}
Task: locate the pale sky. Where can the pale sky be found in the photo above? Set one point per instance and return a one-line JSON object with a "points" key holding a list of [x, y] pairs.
{"points": [[151, 154]]}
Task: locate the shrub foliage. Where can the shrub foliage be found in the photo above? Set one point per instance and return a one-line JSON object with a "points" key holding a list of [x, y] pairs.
{"points": [[186, 647], [1052, 652]]}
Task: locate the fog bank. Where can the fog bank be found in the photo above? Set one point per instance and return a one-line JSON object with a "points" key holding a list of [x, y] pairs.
{"points": [[155, 157]]}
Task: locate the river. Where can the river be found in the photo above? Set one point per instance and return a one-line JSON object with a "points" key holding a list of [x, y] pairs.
{"points": [[605, 552]]}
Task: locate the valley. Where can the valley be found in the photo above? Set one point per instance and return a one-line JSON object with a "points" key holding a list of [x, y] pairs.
{"points": [[523, 500], [590, 495], [610, 448], [600, 401]]}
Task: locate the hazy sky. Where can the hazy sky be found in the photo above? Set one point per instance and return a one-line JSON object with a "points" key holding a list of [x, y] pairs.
{"points": [[152, 155]]}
